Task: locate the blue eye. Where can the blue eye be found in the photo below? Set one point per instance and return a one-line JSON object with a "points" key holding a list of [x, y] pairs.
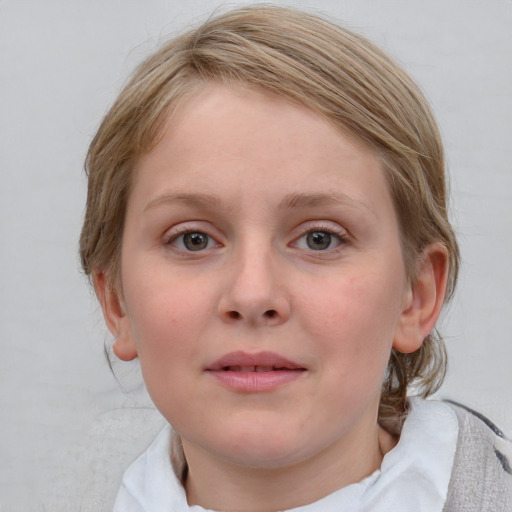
{"points": [[319, 240], [192, 241]]}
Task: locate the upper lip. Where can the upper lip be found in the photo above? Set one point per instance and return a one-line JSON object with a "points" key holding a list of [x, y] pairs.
{"points": [[266, 359]]}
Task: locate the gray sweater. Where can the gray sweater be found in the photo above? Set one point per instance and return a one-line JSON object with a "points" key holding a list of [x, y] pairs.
{"points": [[481, 478]]}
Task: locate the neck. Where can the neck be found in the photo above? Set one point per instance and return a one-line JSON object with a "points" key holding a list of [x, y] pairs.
{"points": [[219, 485]]}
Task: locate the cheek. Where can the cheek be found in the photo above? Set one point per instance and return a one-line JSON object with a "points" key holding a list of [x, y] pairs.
{"points": [[166, 319], [354, 323], [166, 334], [160, 300]]}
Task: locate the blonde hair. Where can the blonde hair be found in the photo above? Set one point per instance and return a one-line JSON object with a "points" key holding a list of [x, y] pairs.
{"points": [[308, 60]]}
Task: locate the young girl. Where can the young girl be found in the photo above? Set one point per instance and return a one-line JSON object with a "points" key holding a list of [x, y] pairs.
{"points": [[267, 231]]}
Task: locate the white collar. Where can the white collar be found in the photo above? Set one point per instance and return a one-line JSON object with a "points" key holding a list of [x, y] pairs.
{"points": [[413, 476]]}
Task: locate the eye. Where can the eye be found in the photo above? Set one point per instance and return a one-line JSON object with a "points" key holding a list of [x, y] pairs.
{"points": [[319, 240], [192, 241]]}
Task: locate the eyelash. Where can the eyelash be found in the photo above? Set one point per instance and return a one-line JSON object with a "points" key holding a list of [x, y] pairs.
{"points": [[341, 238], [188, 230]]}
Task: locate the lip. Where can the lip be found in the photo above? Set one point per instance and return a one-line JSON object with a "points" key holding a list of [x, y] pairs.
{"points": [[253, 373]]}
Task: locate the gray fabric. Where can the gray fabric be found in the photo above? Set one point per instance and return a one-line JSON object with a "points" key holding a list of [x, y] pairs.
{"points": [[481, 479]]}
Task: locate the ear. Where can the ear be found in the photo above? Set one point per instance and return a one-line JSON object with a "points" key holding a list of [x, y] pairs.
{"points": [[423, 299], [116, 318]]}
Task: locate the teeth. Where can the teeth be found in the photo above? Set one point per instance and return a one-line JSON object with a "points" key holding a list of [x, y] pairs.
{"points": [[264, 368], [251, 368], [239, 368]]}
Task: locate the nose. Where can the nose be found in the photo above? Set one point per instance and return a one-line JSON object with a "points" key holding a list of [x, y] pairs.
{"points": [[255, 293]]}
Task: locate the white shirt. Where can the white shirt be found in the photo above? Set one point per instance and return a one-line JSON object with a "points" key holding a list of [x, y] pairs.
{"points": [[413, 476]]}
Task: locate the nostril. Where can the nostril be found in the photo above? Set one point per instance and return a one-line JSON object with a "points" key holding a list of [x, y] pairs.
{"points": [[269, 314]]}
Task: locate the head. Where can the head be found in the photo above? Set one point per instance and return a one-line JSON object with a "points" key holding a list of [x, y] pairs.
{"points": [[312, 63]]}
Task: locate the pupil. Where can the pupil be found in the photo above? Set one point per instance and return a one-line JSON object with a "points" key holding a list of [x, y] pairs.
{"points": [[318, 240], [195, 241]]}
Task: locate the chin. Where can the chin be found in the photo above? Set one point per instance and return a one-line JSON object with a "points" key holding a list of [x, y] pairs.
{"points": [[269, 448]]}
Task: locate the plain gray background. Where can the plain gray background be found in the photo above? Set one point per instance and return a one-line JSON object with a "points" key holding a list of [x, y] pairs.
{"points": [[67, 428]]}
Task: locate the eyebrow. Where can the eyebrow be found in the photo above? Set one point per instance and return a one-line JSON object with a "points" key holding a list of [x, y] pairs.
{"points": [[296, 200], [193, 200], [289, 202]]}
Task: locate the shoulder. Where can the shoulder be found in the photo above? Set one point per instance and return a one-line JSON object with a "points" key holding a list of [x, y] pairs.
{"points": [[481, 477]]}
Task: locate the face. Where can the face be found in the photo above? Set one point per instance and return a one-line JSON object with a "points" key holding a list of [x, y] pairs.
{"points": [[263, 279]]}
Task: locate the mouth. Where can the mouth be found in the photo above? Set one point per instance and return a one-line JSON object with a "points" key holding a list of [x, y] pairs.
{"points": [[255, 368], [254, 373], [259, 362]]}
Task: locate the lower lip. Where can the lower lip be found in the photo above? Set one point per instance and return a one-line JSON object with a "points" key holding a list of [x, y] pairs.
{"points": [[256, 382]]}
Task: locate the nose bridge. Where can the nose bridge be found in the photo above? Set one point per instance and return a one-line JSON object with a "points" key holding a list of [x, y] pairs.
{"points": [[255, 292], [254, 276]]}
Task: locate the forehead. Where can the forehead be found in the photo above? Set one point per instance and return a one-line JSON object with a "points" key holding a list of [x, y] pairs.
{"points": [[236, 141]]}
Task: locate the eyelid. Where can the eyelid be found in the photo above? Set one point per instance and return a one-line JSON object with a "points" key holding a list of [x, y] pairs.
{"points": [[320, 225], [189, 227], [302, 230]]}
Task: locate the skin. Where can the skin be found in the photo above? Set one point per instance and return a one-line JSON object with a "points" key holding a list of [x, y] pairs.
{"points": [[255, 175]]}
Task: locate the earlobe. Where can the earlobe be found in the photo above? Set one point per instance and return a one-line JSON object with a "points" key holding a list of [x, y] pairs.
{"points": [[117, 320], [423, 300], [124, 349]]}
